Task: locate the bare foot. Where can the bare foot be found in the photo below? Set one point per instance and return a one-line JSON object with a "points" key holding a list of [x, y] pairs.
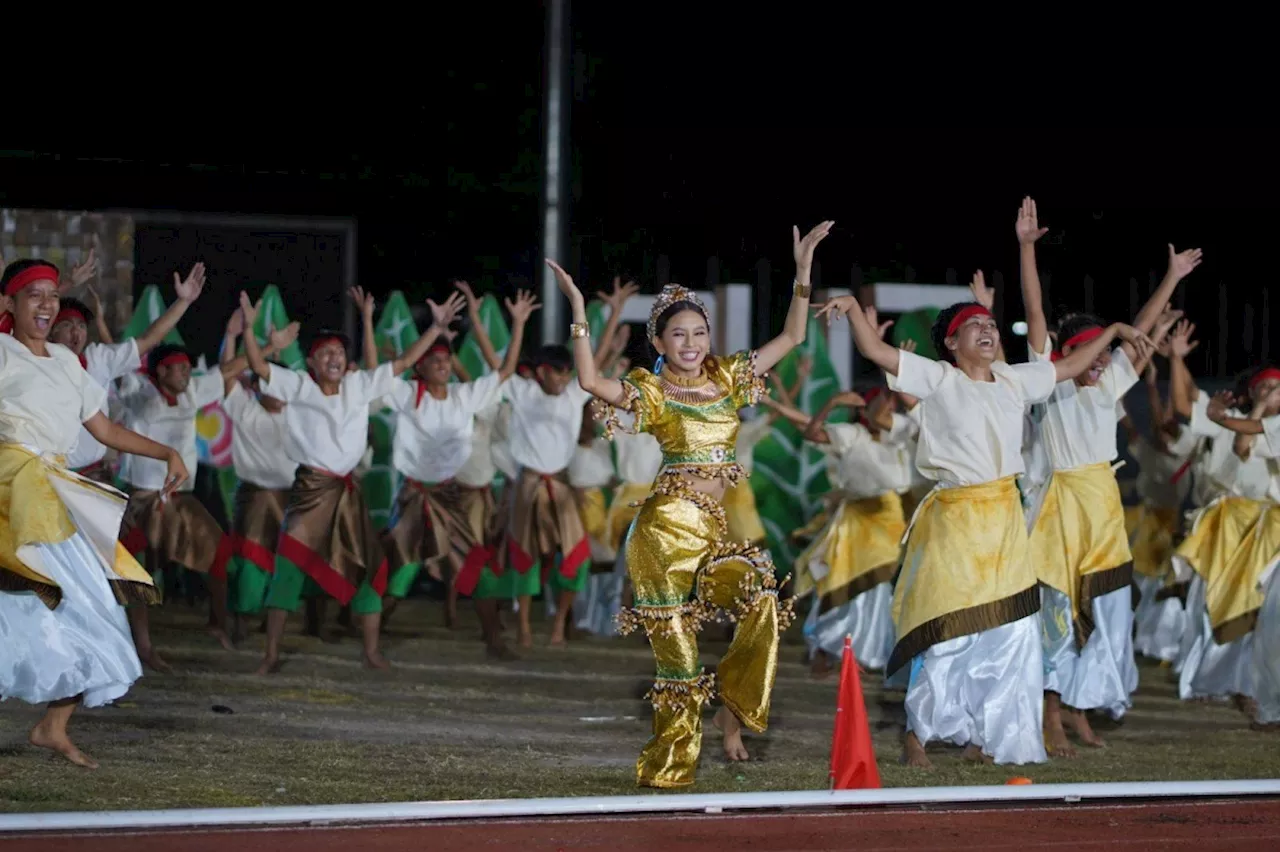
{"points": [[557, 637], [375, 661], [820, 666], [1079, 723], [913, 753], [42, 737], [223, 639], [1265, 727], [526, 638], [973, 754], [1055, 737], [270, 665], [728, 724], [1245, 705], [151, 659], [500, 652]]}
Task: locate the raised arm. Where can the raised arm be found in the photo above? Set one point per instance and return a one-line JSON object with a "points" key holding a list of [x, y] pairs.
{"points": [[460, 371], [816, 431], [1029, 231], [235, 325], [589, 378], [478, 331], [614, 300], [790, 413], [369, 346], [986, 296], [797, 322], [188, 290], [99, 319], [1182, 387], [1180, 266], [253, 354], [865, 335], [1082, 356], [441, 317], [1159, 339], [521, 309]]}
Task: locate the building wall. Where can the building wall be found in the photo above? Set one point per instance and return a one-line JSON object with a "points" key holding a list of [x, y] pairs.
{"points": [[65, 238]]}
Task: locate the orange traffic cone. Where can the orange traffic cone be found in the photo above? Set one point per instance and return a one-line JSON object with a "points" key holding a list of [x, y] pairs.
{"points": [[853, 758]]}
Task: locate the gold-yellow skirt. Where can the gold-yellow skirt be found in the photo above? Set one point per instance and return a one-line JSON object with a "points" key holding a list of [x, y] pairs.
{"points": [[1231, 541], [1079, 545], [1151, 540], [965, 568], [41, 502], [856, 552]]}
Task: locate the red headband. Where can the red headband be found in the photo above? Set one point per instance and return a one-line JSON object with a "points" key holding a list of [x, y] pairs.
{"points": [[1263, 375], [442, 346], [30, 275], [1077, 340], [965, 314], [69, 313], [321, 341], [174, 358], [870, 396]]}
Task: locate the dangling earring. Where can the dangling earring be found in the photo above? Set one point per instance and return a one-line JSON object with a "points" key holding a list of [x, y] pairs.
{"points": [[657, 365]]}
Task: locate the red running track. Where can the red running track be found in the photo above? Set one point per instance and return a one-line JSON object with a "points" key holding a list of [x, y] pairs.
{"points": [[1203, 826]]}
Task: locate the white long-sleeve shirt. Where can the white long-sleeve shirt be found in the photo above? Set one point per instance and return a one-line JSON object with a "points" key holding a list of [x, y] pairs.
{"points": [[104, 362], [149, 412]]}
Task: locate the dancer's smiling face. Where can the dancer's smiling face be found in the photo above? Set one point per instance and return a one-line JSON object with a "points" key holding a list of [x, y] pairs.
{"points": [[976, 341], [684, 341], [328, 362], [34, 308], [435, 368], [72, 333]]}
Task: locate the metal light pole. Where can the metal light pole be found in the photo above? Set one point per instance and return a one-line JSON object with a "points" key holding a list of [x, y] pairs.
{"points": [[555, 168]]}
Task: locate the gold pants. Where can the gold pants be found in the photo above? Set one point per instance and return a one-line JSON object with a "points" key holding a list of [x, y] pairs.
{"points": [[684, 574]]}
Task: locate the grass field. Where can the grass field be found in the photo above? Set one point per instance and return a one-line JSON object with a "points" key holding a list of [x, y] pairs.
{"points": [[447, 724]]}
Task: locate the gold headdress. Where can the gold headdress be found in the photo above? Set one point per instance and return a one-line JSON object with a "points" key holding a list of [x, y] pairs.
{"points": [[671, 294]]}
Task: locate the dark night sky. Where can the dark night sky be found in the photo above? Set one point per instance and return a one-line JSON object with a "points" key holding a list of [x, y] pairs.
{"points": [[687, 149]]}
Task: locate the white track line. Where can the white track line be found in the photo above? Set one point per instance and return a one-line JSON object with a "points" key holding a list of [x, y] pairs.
{"points": [[386, 813]]}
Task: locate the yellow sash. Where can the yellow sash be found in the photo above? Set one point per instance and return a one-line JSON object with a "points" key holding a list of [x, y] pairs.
{"points": [[33, 513], [965, 569], [1232, 594], [1079, 545], [864, 539], [1151, 540]]}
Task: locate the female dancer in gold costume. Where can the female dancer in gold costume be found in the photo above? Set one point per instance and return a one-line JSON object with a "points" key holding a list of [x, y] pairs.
{"points": [[682, 570]]}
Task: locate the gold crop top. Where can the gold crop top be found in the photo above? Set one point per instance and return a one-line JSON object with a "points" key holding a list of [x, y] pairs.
{"points": [[695, 420]]}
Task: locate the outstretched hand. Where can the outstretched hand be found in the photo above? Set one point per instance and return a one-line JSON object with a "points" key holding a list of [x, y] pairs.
{"points": [[1182, 262], [837, 308], [190, 288], [873, 319], [443, 315], [85, 271], [363, 300], [248, 310], [523, 307], [982, 294], [1028, 225], [565, 282], [616, 298], [1181, 345], [1218, 405], [281, 338], [802, 248]]}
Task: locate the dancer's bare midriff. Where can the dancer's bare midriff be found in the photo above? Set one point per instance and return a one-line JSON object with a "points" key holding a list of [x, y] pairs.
{"points": [[714, 487]]}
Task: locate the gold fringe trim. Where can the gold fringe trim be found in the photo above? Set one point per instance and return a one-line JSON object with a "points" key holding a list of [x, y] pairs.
{"points": [[1236, 628], [857, 586], [49, 595], [1094, 586], [663, 621], [753, 588], [678, 694], [963, 622], [608, 413], [755, 384], [128, 592], [671, 484]]}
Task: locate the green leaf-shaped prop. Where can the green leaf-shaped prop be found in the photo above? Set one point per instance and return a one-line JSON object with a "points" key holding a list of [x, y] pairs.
{"points": [[146, 310], [494, 321]]}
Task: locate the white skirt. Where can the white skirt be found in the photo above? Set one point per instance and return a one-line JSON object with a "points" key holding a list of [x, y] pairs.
{"points": [[1210, 670], [986, 689], [600, 603], [1159, 625], [1266, 660], [1102, 675], [868, 619], [83, 647]]}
